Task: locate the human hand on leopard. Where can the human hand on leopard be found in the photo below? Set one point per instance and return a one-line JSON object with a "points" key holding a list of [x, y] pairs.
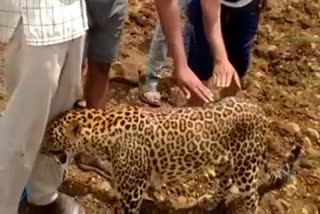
{"points": [[225, 77], [187, 80], [224, 73]]}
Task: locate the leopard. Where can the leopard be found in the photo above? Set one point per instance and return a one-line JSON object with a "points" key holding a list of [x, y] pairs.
{"points": [[144, 148]]}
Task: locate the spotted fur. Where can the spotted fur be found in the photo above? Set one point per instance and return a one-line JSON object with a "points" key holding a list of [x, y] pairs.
{"points": [[146, 148]]}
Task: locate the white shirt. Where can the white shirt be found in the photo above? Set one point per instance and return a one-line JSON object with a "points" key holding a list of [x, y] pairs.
{"points": [[45, 22], [237, 4]]}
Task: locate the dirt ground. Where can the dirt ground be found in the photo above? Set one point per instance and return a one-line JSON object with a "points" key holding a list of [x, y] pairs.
{"points": [[284, 79]]}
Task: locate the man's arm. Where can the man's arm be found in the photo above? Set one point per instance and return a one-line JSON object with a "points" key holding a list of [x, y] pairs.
{"points": [[224, 72], [211, 10], [169, 14]]}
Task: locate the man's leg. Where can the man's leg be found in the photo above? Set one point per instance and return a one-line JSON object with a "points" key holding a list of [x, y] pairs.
{"points": [[156, 59], [103, 43], [32, 84], [47, 174], [106, 22]]}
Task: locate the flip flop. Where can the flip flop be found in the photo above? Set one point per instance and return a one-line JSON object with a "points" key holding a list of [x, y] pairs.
{"points": [[154, 102]]}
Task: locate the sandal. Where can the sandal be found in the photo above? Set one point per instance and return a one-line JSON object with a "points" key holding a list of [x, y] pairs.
{"points": [[152, 98], [149, 95]]}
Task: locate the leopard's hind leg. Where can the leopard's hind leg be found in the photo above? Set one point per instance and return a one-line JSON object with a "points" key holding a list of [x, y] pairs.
{"points": [[212, 200], [245, 178]]}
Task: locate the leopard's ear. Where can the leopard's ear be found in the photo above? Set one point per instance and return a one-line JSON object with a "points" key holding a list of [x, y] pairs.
{"points": [[73, 130]]}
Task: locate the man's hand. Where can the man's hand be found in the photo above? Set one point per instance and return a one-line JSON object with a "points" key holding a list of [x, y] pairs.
{"points": [[189, 81], [169, 15], [223, 70], [223, 74]]}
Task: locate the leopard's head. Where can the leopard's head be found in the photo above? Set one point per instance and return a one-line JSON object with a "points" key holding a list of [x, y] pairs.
{"points": [[65, 138]]}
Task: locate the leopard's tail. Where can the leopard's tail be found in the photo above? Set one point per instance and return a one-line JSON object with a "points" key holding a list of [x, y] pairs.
{"points": [[275, 179]]}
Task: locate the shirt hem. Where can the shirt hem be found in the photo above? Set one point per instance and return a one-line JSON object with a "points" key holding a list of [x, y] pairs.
{"points": [[56, 41], [238, 4]]}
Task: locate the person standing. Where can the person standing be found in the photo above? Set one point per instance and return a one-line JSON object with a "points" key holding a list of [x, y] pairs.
{"points": [[43, 78]]}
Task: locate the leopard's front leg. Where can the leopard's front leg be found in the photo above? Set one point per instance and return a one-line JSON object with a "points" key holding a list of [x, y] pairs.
{"points": [[132, 181]]}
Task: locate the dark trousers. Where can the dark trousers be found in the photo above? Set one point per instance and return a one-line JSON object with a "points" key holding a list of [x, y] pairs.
{"points": [[239, 27]]}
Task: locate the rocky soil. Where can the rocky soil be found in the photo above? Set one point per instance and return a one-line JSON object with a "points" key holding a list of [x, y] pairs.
{"points": [[284, 79]]}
